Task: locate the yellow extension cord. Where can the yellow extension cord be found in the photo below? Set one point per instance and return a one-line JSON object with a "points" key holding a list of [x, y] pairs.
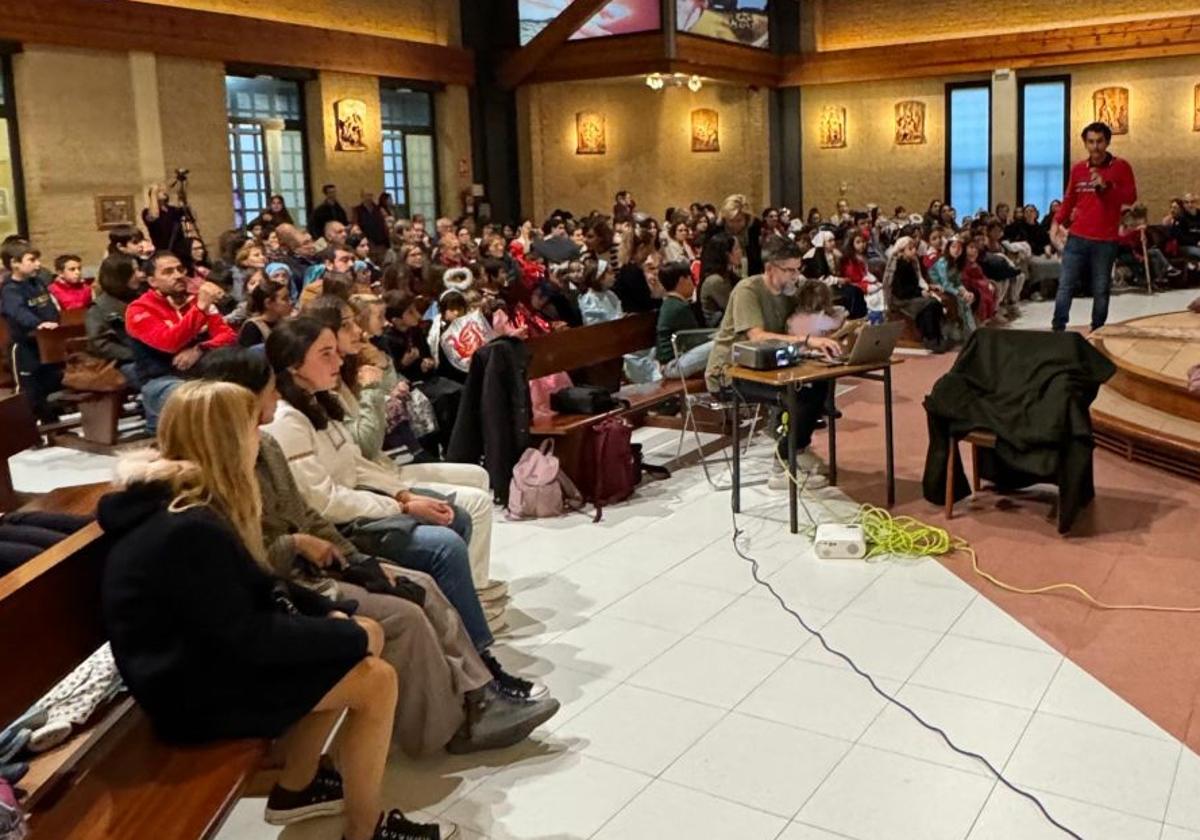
{"points": [[909, 538]]}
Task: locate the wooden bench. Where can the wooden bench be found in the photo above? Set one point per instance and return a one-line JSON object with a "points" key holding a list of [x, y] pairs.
{"points": [[593, 355], [113, 780], [8, 376], [18, 432], [99, 411]]}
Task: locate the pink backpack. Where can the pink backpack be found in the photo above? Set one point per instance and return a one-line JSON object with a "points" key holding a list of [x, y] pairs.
{"points": [[539, 488]]}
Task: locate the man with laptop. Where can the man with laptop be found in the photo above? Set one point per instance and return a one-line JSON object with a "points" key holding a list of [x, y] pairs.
{"points": [[758, 310]]}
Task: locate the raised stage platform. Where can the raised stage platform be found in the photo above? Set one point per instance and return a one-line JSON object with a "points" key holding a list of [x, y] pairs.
{"points": [[1145, 412]]}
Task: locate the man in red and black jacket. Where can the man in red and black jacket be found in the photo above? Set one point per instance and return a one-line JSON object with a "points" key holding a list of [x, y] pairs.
{"points": [[171, 330], [1088, 221]]}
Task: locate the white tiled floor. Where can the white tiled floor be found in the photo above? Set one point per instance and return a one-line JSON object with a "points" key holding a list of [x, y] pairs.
{"points": [[695, 708]]}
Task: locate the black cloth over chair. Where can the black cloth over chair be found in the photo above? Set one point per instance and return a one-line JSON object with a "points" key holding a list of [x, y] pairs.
{"points": [[494, 413], [1033, 390]]}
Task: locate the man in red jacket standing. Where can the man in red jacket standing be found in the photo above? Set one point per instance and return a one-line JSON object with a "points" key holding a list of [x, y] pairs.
{"points": [[171, 330], [1097, 190]]}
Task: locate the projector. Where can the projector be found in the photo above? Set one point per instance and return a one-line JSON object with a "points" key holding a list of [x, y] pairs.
{"points": [[767, 355], [840, 542]]}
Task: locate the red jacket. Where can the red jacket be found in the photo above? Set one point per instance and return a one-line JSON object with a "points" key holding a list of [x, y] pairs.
{"points": [[1094, 214], [78, 296], [855, 270], [154, 321]]}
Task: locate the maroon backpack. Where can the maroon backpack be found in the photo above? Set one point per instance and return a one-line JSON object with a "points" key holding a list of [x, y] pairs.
{"points": [[609, 468]]}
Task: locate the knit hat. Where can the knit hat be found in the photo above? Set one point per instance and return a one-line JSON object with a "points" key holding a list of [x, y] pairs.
{"points": [[276, 267]]}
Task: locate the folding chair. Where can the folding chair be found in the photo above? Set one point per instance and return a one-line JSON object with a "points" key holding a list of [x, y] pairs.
{"points": [[704, 398]]}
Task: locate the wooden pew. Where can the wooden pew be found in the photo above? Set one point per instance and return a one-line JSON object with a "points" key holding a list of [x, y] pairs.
{"points": [[52, 344], [593, 355], [18, 432], [115, 779], [99, 412], [8, 376]]}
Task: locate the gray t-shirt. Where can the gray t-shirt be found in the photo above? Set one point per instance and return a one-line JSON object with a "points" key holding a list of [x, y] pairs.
{"points": [[751, 305]]}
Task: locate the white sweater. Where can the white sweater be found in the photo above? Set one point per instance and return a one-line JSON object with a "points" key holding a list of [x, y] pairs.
{"points": [[331, 471]]}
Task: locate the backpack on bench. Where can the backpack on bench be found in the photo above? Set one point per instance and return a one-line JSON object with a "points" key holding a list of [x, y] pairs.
{"points": [[583, 399]]}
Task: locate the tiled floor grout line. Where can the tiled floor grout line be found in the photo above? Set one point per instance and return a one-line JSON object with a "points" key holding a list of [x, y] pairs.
{"points": [[996, 783], [785, 658], [1171, 793]]}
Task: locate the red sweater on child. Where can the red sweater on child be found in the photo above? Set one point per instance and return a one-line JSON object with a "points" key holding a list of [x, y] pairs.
{"points": [[1096, 214], [71, 295]]}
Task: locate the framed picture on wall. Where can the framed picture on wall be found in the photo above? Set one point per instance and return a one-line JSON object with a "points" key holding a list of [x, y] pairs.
{"points": [[1196, 110], [910, 122], [350, 117], [114, 211], [1111, 106], [590, 134], [706, 130], [833, 127]]}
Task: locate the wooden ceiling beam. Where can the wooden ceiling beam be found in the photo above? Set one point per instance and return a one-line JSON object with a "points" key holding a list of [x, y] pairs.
{"points": [[519, 65], [635, 55], [123, 25], [1160, 37]]}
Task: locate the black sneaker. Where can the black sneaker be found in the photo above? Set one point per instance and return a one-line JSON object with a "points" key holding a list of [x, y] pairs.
{"points": [[510, 685], [322, 798], [396, 826]]}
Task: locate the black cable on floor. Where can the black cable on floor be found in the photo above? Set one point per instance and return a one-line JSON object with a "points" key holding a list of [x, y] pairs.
{"points": [[737, 532]]}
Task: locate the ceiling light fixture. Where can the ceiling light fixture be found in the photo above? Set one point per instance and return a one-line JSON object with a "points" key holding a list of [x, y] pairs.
{"points": [[657, 81]]}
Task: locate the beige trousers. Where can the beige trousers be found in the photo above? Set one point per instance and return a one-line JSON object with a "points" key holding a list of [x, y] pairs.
{"points": [[435, 662]]}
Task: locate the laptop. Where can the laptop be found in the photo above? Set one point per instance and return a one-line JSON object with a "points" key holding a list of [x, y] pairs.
{"points": [[874, 345]]}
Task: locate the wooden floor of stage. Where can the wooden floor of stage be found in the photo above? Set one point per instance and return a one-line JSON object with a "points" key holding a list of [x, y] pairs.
{"points": [[1145, 412]]}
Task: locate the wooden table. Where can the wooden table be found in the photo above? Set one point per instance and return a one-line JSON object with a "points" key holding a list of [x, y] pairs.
{"points": [[788, 381]]}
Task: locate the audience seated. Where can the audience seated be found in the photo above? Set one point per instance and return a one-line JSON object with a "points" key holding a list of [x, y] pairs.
{"points": [[413, 527], [198, 635], [910, 294], [448, 697], [170, 330], [268, 303], [27, 305], [69, 288], [676, 315], [120, 282]]}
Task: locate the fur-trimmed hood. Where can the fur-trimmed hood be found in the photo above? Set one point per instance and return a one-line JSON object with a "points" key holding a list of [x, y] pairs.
{"points": [[144, 481]]}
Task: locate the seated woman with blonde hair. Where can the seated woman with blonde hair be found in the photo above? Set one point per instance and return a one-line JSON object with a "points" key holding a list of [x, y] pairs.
{"points": [[448, 698], [212, 648]]}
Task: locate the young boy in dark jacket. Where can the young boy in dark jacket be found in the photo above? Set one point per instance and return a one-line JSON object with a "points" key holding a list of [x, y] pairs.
{"points": [[28, 306]]}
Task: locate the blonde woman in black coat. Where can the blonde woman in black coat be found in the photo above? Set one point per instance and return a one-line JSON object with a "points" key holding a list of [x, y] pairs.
{"points": [[209, 644]]}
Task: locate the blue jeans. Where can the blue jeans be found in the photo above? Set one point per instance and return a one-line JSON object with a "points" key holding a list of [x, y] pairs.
{"points": [[440, 552], [1090, 262], [154, 397], [690, 362]]}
